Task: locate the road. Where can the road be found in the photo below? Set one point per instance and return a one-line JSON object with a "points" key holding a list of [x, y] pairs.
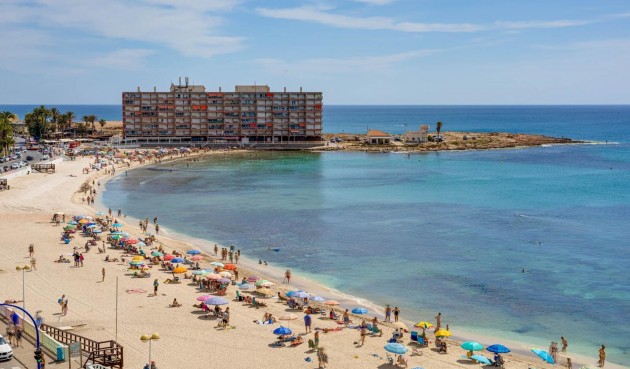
{"points": [[19, 143], [25, 354]]}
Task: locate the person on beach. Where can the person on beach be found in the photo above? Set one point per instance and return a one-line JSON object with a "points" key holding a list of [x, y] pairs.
{"points": [[64, 308], [569, 364], [155, 220], [388, 313], [119, 212], [316, 338], [156, 284], [602, 356], [157, 229], [565, 344], [175, 303], [216, 250], [438, 321], [103, 273], [363, 332], [31, 250], [10, 333], [396, 312], [287, 276], [346, 317], [322, 358], [18, 336], [307, 322], [33, 264]]}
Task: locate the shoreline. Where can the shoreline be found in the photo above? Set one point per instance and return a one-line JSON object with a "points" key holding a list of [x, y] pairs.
{"points": [[520, 348], [136, 346]]}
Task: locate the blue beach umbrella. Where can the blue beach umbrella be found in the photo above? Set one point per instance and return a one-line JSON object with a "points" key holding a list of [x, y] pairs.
{"points": [[544, 355], [216, 300], [97, 231], [99, 213], [156, 253], [301, 295], [91, 226], [317, 299], [292, 293], [177, 260], [472, 346], [282, 330], [116, 233], [193, 252], [245, 286], [498, 349], [72, 222], [482, 359], [117, 225], [199, 272], [396, 348], [359, 310], [217, 264]]}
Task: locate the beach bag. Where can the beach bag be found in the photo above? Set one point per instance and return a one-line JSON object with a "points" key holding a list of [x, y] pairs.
{"points": [[59, 301]]}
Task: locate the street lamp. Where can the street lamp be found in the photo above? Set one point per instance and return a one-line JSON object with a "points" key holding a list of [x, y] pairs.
{"points": [[23, 268], [153, 337]]}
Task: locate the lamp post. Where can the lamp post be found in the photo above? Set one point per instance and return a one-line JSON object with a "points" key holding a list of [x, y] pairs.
{"points": [[152, 337], [23, 268]]}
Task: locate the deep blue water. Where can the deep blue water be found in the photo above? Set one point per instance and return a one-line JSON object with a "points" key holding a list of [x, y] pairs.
{"points": [[447, 231]]}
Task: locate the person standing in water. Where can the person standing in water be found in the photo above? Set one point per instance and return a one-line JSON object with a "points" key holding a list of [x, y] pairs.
{"points": [[287, 276]]}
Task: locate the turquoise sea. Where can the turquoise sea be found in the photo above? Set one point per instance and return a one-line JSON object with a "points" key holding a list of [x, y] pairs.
{"points": [[449, 231]]}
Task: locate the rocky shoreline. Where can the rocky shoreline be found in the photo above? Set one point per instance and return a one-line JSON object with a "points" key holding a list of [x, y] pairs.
{"points": [[452, 141]]}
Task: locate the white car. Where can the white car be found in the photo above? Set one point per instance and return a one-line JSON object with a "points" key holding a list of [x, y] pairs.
{"points": [[45, 157], [6, 352], [15, 166]]}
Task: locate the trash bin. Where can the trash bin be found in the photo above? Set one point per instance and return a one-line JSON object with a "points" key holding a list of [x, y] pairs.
{"points": [[60, 354]]}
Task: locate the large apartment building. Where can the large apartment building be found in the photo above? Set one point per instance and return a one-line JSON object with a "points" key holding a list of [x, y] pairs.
{"points": [[250, 114]]}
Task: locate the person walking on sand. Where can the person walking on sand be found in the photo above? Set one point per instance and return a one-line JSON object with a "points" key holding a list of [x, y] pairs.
{"points": [[287, 276], [438, 321], [322, 358], [216, 250], [388, 313], [31, 250], [33, 264], [307, 322], [18, 336], [602, 356], [569, 364], [363, 332], [156, 284], [396, 312], [157, 228], [103, 273], [565, 344], [64, 308]]}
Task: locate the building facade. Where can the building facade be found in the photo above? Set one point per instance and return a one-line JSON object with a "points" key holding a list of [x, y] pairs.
{"points": [[250, 114], [419, 136]]}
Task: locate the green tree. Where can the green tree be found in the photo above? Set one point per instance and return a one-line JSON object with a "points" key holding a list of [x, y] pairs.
{"points": [[68, 119], [438, 127], [38, 122], [55, 119], [102, 122], [92, 119], [6, 131]]}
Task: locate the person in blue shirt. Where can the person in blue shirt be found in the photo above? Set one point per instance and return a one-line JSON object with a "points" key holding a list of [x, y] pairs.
{"points": [[307, 322]]}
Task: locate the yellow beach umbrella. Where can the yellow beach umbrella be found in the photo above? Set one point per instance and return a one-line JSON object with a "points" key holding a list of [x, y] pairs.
{"points": [[179, 270], [83, 221], [442, 333], [424, 325], [138, 258], [265, 292]]}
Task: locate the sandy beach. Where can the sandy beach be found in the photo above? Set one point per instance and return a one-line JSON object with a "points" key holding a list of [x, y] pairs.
{"points": [[187, 338]]}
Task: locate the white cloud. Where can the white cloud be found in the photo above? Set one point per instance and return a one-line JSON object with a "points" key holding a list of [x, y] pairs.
{"points": [[343, 65], [325, 16], [375, 2], [317, 15], [121, 59]]}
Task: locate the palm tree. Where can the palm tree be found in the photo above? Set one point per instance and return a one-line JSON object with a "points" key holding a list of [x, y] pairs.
{"points": [[102, 122], [69, 117], [38, 121], [438, 128], [55, 118], [6, 131]]}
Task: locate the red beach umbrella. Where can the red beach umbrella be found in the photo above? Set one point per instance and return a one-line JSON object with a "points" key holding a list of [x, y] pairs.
{"points": [[229, 267]]}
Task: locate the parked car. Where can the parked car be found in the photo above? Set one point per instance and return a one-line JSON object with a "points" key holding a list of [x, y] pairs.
{"points": [[45, 157], [6, 168], [2, 160], [29, 158], [6, 352], [15, 166]]}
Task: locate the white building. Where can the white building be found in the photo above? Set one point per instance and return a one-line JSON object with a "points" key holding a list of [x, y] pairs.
{"points": [[419, 136]]}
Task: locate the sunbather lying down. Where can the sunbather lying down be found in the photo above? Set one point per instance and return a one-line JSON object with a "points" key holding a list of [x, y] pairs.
{"points": [[169, 280], [299, 340]]}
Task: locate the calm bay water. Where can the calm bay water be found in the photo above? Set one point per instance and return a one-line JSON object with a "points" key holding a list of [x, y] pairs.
{"points": [[447, 232]]}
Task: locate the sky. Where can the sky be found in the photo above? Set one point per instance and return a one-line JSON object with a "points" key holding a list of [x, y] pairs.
{"points": [[418, 52]]}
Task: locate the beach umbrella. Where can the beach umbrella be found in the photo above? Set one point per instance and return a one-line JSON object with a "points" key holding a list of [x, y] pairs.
{"points": [[177, 260], [136, 262], [216, 300], [116, 237], [282, 330], [196, 258], [259, 282], [317, 299], [99, 213], [140, 244], [267, 284], [132, 241], [472, 346], [498, 349], [91, 226], [117, 225], [252, 278], [359, 310], [301, 295], [423, 325], [83, 221], [400, 325], [72, 222], [245, 286], [217, 264], [396, 348], [288, 316], [544, 355], [124, 234], [229, 266], [193, 252], [69, 227], [266, 292], [203, 297], [97, 231], [225, 274], [169, 257], [213, 276], [180, 270], [291, 293], [331, 302], [442, 333], [200, 272], [117, 232], [156, 253], [482, 359], [224, 280], [138, 257]]}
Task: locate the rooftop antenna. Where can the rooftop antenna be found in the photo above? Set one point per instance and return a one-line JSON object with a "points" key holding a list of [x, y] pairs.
{"points": [[186, 81]]}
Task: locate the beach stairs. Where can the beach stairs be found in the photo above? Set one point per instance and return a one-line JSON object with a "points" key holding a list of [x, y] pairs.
{"points": [[108, 354]]}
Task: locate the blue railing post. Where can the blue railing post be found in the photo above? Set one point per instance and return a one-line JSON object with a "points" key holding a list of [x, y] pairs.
{"points": [[34, 324]]}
